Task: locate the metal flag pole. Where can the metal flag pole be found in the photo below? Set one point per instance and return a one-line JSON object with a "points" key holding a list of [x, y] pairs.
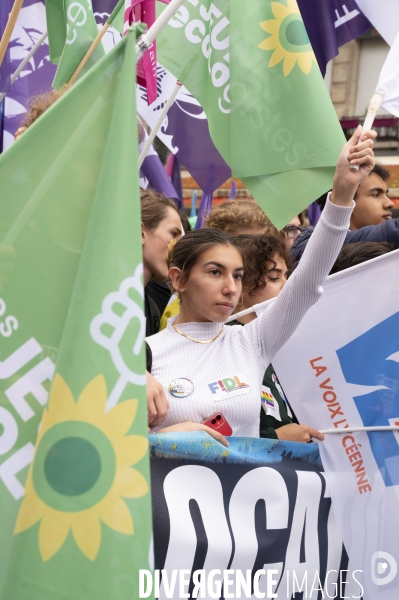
{"points": [[145, 41], [159, 122], [27, 58], [357, 429], [12, 19]]}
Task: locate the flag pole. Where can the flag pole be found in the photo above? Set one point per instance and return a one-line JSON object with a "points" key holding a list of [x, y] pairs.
{"points": [[159, 122], [375, 105], [96, 42], [359, 429], [145, 41], [12, 19], [255, 308], [27, 58]]}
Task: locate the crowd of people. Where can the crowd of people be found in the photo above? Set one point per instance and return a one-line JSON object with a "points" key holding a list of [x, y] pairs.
{"points": [[204, 373]]}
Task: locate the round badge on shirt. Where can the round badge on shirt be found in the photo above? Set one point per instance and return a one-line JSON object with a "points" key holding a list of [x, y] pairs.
{"points": [[181, 387]]}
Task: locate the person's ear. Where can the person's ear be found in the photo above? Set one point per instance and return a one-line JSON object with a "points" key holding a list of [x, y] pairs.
{"points": [[176, 277], [142, 233]]}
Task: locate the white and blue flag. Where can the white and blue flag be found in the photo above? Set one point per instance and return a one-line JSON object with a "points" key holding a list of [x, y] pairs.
{"points": [[340, 370]]}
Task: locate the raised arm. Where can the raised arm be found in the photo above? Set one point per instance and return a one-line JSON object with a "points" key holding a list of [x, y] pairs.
{"points": [[276, 325]]}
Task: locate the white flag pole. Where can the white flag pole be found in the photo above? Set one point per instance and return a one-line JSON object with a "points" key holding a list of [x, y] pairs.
{"points": [[145, 41], [159, 122], [375, 105], [255, 308], [357, 429], [25, 61]]}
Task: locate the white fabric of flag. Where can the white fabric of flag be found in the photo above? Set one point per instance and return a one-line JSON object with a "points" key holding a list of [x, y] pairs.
{"points": [[340, 369], [388, 84], [384, 15]]}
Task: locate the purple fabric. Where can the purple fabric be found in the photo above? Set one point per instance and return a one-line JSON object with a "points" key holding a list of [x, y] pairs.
{"points": [[196, 151], [5, 69], [314, 213], [233, 191], [173, 170], [153, 170], [203, 210], [330, 24]]}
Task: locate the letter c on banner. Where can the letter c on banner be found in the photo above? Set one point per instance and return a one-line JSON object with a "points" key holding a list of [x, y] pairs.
{"points": [[191, 36], [263, 483]]}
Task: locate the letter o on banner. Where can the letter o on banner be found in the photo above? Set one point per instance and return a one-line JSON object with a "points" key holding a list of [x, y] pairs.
{"points": [[220, 74]]}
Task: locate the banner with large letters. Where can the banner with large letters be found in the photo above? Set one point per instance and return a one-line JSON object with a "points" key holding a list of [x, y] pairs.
{"points": [[340, 370], [248, 521]]}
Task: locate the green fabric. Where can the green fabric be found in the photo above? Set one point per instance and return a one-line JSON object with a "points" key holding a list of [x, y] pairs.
{"points": [[268, 424], [55, 18], [272, 120], [71, 33], [70, 276]]}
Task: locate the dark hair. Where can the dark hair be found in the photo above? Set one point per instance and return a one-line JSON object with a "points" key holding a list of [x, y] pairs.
{"points": [[359, 252], [154, 207], [184, 221], [258, 254], [378, 170], [186, 251]]}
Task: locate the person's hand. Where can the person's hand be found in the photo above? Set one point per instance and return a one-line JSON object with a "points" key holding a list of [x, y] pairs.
{"points": [[157, 403], [298, 433], [191, 426], [357, 151]]}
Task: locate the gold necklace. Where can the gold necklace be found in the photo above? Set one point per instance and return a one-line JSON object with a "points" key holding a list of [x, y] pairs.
{"points": [[198, 341]]}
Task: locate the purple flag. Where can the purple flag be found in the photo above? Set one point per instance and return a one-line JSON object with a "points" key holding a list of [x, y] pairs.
{"points": [[203, 210], [172, 168], [5, 70], [330, 24], [186, 133]]}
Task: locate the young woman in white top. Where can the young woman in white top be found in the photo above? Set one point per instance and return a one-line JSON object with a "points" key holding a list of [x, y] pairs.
{"points": [[206, 367]]}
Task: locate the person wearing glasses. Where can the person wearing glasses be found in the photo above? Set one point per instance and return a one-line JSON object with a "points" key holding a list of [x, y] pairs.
{"points": [[292, 230]]}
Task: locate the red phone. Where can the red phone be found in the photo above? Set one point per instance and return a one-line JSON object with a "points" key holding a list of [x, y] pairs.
{"points": [[219, 423]]}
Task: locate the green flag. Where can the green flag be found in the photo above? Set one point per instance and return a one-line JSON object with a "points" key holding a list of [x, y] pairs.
{"points": [[72, 311], [251, 66], [71, 30]]}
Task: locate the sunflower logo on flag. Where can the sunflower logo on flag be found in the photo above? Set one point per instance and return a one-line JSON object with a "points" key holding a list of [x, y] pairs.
{"points": [[82, 470], [288, 38]]}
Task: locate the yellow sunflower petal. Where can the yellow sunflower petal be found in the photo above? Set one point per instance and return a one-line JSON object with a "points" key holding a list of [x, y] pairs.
{"points": [[289, 63], [271, 26], [115, 513], [305, 62], [61, 406], [53, 532], [280, 11], [30, 512], [276, 57], [120, 418], [270, 43], [292, 7], [130, 450], [129, 483], [86, 529], [93, 399]]}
